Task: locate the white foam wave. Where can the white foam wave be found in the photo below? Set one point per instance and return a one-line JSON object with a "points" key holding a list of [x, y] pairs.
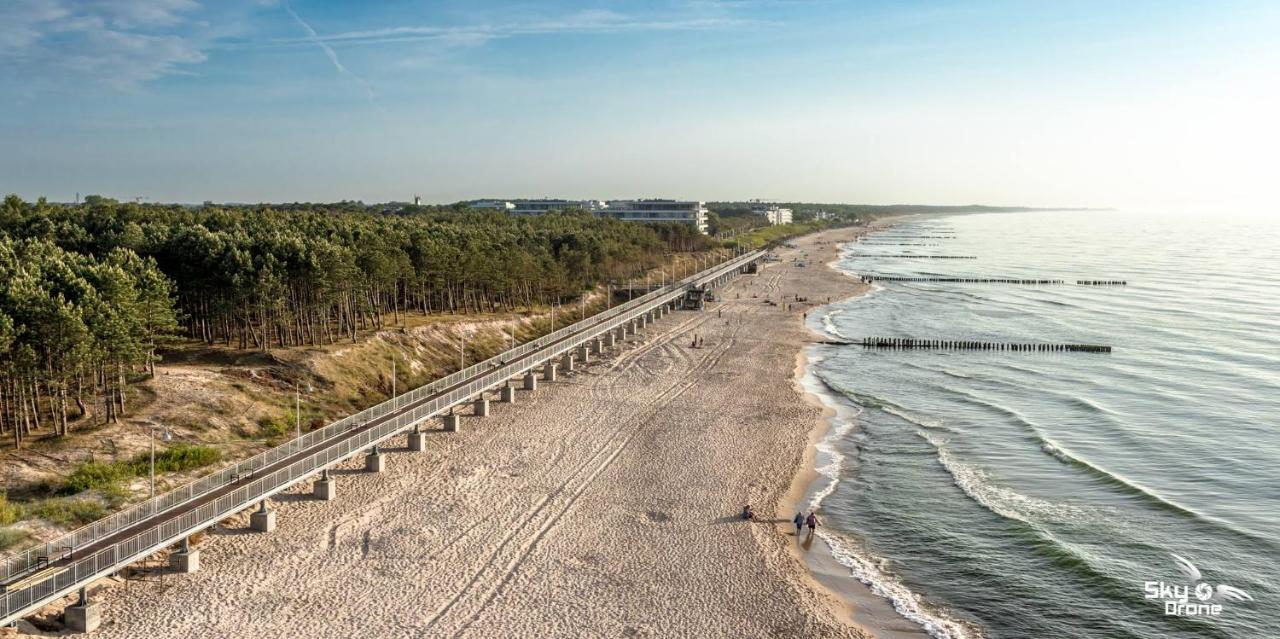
{"points": [[905, 602], [918, 420], [829, 325], [1006, 502]]}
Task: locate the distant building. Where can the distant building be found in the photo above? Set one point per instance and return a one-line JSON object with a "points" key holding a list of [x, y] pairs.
{"points": [[772, 212], [656, 211], [494, 205], [824, 215], [538, 207], [417, 200]]}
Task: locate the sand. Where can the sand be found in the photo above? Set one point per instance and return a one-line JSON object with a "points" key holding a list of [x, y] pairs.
{"points": [[602, 505]]}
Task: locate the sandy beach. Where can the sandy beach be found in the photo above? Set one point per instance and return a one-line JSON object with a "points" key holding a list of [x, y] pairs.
{"points": [[604, 504]]}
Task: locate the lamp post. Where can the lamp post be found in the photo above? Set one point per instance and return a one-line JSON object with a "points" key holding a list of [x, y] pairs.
{"points": [[297, 403], [394, 403], [462, 352], [165, 437]]}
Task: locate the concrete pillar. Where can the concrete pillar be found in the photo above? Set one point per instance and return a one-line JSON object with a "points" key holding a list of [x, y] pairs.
{"points": [[375, 462], [451, 423], [549, 372], [621, 333], [186, 560], [264, 520], [631, 327], [417, 440], [509, 394], [597, 346], [643, 322], [84, 616], [584, 353], [567, 363], [530, 381], [325, 489], [481, 407], [610, 339]]}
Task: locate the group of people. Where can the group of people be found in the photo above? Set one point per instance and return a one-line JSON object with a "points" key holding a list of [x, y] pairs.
{"points": [[801, 520], [698, 341]]}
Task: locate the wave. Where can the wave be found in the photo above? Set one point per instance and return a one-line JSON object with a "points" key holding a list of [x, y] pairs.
{"points": [[868, 570], [829, 326], [871, 401], [862, 567], [1125, 485], [974, 481], [1130, 487]]}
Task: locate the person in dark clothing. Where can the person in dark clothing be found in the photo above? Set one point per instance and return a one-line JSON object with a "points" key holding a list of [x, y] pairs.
{"points": [[748, 513], [799, 522], [812, 521]]}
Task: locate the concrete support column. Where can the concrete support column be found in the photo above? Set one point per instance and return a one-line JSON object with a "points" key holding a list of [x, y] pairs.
{"points": [[325, 489], [186, 560], [530, 381], [621, 333], [264, 520], [549, 372], [610, 339], [451, 423], [597, 346], [417, 440], [481, 407], [631, 327], [584, 353], [509, 394], [567, 363], [84, 616], [375, 462], [643, 321]]}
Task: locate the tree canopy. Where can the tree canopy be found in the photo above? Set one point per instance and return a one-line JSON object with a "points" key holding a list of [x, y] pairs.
{"points": [[89, 291]]}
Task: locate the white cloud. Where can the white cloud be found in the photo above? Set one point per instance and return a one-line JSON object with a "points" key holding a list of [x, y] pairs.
{"points": [[588, 21], [118, 43]]}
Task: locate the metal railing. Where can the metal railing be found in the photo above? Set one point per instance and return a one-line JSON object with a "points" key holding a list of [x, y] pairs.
{"points": [[398, 414]]}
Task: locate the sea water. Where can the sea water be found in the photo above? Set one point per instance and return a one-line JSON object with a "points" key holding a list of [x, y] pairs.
{"points": [[1026, 495]]}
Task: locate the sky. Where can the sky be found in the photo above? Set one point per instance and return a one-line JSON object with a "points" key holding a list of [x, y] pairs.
{"points": [[1137, 104]]}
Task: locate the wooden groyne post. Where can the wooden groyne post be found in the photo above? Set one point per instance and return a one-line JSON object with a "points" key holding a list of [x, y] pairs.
{"points": [[940, 344]]}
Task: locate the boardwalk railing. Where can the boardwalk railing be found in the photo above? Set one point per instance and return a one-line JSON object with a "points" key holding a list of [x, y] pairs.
{"points": [[238, 486]]}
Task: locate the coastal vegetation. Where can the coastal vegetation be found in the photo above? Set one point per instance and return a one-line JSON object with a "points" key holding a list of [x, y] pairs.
{"points": [[90, 293]]}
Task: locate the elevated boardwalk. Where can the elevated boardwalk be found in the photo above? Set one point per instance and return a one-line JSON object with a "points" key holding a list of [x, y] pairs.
{"points": [[45, 573]]}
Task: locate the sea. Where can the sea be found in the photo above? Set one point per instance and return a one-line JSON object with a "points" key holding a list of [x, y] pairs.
{"points": [[1021, 495]]}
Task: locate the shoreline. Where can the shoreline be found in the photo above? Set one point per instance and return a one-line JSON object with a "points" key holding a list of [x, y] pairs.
{"points": [[864, 608]]}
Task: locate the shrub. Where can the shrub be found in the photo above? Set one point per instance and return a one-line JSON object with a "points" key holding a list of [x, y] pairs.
{"points": [[272, 428], [66, 511], [10, 538], [95, 475], [176, 459], [9, 511]]}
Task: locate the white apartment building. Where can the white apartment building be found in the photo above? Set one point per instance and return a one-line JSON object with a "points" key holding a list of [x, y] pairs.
{"points": [[773, 213], [657, 211]]}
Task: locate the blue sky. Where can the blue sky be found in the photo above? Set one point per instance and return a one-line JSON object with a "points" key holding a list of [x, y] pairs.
{"points": [[1137, 104]]}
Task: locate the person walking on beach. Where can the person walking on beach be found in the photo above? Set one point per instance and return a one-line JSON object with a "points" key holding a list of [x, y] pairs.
{"points": [[812, 522], [799, 522]]}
